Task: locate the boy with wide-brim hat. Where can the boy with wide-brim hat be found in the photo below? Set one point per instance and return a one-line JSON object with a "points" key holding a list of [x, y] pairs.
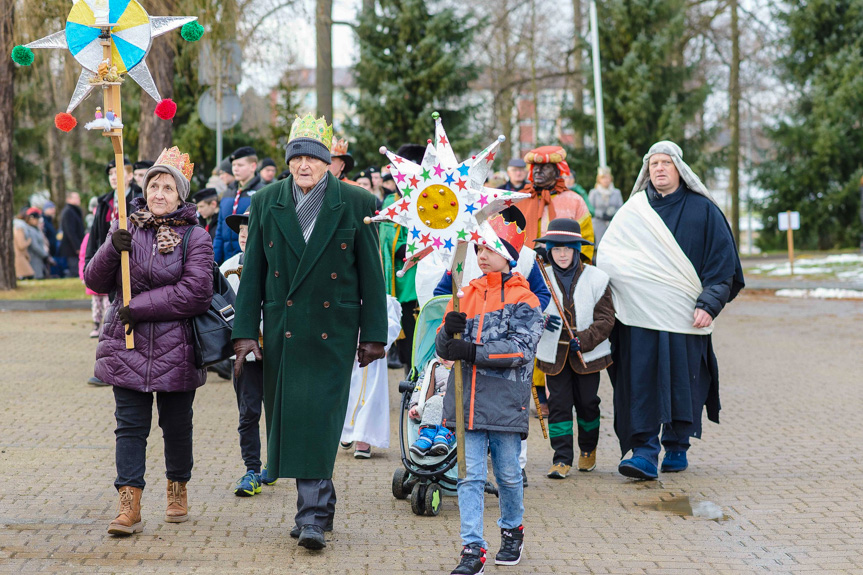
{"points": [[585, 295]]}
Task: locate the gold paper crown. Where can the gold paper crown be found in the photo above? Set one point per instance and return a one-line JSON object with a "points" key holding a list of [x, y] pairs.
{"points": [[340, 147], [174, 158], [309, 127]]}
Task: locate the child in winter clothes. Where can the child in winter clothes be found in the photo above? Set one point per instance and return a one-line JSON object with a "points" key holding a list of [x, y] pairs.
{"points": [[434, 438], [249, 386], [500, 326], [583, 292]]}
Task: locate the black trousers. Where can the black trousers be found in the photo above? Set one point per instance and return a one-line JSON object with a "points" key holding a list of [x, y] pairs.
{"points": [[134, 414], [249, 388], [565, 391], [405, 346], [316, 502]]}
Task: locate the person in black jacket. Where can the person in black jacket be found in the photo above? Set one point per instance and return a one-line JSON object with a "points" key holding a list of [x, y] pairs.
{"points": [[106, 209], [72, 226], [207, 201]]}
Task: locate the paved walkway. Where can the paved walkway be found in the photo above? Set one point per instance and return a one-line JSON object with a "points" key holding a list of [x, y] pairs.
{"points": [[785, 467]]}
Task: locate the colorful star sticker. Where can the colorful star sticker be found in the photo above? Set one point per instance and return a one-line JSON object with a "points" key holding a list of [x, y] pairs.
{"points": [[443, 140], [414, 182], [490, 157], [425, 239], [438, 171], [400, 177], [483, 200], [449, 178], [412, 248], [391, 212], [459, 268], [470, 208], [448, 245], [426, 176], [437, 243], [463, 170], [474, 236], [462, 235], [462, 185], [415, 233]]}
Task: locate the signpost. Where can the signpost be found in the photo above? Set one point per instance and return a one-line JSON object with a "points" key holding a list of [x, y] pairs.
{"points": [[220, 68], [790, 221]]}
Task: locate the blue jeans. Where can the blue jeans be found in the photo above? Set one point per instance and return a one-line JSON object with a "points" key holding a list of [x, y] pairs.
{"points": [[674, 438], [505, 448]]}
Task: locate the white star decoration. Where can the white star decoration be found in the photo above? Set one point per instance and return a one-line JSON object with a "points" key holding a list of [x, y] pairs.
{"points": [[131, 31], [444, 203]]}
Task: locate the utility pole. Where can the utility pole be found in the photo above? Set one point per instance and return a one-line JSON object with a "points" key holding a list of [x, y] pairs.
{"points": [[597, 86]]}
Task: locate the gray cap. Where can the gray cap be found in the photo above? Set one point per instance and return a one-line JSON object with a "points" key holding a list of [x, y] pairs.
{"points": [[179, 178], [307, 147], [516, 163]]}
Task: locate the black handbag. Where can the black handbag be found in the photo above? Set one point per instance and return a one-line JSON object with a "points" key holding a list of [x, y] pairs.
{"points": [[211, 331]]}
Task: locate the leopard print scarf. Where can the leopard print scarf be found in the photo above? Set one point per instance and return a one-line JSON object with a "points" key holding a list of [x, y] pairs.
{"points": [[166, 238]]}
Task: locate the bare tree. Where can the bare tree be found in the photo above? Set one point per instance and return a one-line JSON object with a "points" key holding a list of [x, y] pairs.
{"points": [[734, 123], [155, 134], [7, 159], [324, 71]]}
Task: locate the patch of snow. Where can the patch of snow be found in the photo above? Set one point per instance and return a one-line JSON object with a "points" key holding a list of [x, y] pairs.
{"points": [[821, 293]]}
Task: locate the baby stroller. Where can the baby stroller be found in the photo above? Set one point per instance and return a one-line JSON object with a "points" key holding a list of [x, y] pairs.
{"points": [[425, 479]]}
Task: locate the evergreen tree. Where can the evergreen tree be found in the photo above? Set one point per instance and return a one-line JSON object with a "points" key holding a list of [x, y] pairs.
{"points": [[817, 149], [413, 61], [649, 90]]}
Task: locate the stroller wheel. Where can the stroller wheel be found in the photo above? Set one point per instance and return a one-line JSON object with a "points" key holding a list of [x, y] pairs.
{"points": [[418, 504], [400, 489], [433, 500]]}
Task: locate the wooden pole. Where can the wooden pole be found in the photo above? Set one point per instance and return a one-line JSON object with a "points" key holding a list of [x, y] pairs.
{"points": [[111, 99], [790, 243], [457, 264], [557, 304]]}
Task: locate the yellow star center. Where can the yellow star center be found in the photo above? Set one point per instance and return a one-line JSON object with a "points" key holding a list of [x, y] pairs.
{"points": [[438, 206]]}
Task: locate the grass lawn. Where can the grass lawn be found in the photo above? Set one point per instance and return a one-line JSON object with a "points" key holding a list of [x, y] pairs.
{"points": [[68, 288]]}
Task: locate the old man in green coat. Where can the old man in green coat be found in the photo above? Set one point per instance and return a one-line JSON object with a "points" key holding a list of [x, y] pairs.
{"points": [[313, 267]]}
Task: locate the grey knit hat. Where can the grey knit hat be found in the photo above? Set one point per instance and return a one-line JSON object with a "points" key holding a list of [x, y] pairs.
{"points": [[179, 178], [307, 147]]}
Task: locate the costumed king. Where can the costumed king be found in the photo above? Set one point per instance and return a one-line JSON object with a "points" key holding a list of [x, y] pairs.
{"points": [[367, 421], [673, 266], [314, 269]]}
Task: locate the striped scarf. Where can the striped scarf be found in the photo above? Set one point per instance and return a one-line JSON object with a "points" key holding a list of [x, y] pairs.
{"points": [[309, 205]]}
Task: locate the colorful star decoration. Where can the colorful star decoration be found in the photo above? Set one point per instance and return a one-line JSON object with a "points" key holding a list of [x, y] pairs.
{"points": [[444, 202], [129, 32]]}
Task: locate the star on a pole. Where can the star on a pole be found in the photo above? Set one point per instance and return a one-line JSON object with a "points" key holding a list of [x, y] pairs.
{"points": [[448, 201]]}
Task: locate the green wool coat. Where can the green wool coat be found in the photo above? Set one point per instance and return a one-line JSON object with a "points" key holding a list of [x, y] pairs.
{"points": [[318, 301]]}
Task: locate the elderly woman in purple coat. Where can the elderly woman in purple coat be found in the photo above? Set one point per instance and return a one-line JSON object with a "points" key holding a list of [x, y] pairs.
{"points": [[166, 294]]}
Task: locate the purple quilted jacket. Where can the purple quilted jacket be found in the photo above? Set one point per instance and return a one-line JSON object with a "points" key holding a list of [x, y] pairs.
{"points": [[165, 294]]}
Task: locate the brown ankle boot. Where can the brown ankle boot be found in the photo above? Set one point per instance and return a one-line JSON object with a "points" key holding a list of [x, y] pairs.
{"points": [[128, 520], [178, 505]]}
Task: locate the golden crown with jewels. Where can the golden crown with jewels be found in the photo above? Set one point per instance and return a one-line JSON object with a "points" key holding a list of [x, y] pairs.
{"points": [[316, 129], [176, 159]]}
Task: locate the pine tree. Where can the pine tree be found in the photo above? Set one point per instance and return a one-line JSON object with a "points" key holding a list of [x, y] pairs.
{"points": [[649, 90], [817, 149], [413, 61]]}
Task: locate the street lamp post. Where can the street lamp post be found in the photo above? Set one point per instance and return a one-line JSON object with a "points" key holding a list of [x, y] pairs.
{"points": [[597, 86]]}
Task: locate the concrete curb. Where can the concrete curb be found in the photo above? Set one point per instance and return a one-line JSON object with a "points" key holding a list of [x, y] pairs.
{"points": [[43, 305]]}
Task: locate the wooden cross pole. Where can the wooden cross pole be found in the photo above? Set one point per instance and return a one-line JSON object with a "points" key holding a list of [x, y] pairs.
{"points": [[458, 381], [111, 100]]}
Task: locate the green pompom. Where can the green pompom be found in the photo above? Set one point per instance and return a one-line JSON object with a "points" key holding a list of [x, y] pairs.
{"points": [[192, 32], [22, 55], [435, 115]]}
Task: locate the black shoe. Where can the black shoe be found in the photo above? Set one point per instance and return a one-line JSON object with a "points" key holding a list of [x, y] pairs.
{"points": [[511, 544], [312, 538], [472, 561], [97, 382], [295, 532], [223, 369], [523, 478]]}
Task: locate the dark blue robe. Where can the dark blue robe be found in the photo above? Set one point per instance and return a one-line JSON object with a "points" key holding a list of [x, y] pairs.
{"points": [[668, 378]]}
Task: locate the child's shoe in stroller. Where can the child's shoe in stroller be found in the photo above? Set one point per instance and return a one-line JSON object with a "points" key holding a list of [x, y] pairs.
{"points": [[426, 438], [444, 440], [472, 561]]}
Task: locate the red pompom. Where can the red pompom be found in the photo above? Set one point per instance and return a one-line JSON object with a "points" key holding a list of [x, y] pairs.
{"points": [[65, 121], [166, 109]]}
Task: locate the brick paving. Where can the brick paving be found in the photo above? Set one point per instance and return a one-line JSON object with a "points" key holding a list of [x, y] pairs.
{"points": [[785, 466]]}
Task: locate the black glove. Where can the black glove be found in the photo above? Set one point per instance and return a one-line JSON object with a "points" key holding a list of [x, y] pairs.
{"points": [[541, 252], [552, 323], [460, 349], [125, 315], [369, 351], [242, 348], [455, 322], [574, 345], [122, 241]]}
